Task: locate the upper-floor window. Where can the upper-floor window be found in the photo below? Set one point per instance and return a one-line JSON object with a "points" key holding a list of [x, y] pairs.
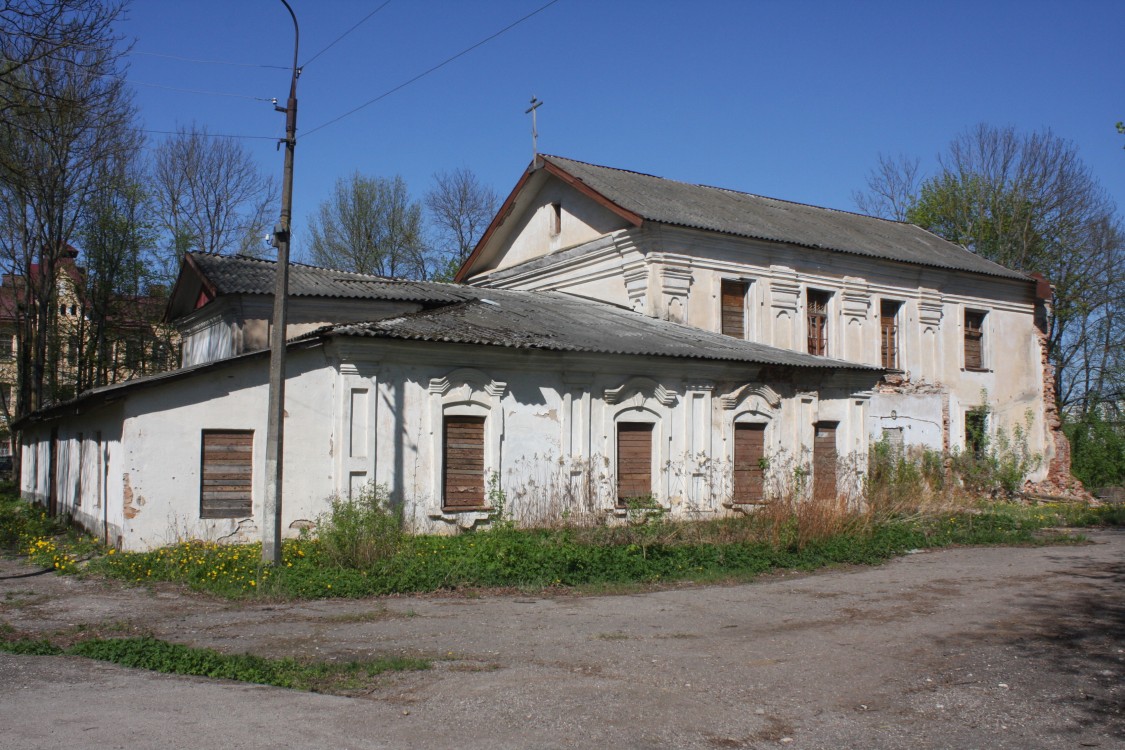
{"points": [[888, 333], [7, 346], [974, 340], [817, 308], [733, 311]]}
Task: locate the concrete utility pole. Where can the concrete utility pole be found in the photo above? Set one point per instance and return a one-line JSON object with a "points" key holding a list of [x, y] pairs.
{"points": [[275, 427]]}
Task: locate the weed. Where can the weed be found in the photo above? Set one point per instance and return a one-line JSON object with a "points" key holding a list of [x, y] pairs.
{"points": [[360, 531]]}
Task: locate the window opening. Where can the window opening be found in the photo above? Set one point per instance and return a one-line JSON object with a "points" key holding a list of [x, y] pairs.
{"points": [[888, 334], [634, 460], [749, 463], [226, 475], [974, 340], [817, 304], [734, 308], [463, 462]]}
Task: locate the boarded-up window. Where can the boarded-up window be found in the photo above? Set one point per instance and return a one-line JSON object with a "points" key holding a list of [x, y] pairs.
{"points": [[824, 461], [734, 308], [974, 340], [749, 459], [818, 322], [227, 466], [888, 334], [463, 462], [634, 460]]}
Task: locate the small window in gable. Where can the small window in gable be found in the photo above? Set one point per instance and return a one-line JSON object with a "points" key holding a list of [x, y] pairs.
{"points": [[463, 462], [226, 472], [974, 340], [634, 460], [556, 219], [734, 308], [818, 321]]}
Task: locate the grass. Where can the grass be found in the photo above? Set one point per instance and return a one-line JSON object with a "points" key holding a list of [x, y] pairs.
{"points": [[791, 536], [172, 658]]}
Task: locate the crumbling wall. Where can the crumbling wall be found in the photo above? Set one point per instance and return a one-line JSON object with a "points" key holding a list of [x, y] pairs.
{"points": [[1059, 481]]}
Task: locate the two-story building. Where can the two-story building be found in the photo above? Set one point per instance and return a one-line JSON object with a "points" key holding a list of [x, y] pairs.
{"points": [[616, 336]]}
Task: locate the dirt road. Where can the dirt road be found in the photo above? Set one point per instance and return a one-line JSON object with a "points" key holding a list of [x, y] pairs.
{"points": [[966, 648]]}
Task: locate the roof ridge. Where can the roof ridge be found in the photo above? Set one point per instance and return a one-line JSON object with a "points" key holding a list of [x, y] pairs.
{"points": [[735, 192]]}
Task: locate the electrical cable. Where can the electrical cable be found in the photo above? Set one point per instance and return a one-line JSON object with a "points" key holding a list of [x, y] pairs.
{"points": [[425, 73], [208, 62], [353, 28], [198, 91], [213, 135]]}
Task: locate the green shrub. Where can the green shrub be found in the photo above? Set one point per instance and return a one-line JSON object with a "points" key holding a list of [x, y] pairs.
{"points": [[360, 531], [1097, 446]]}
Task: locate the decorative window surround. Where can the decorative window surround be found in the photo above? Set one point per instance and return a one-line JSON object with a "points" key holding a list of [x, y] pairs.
{"points": [[855, 300], [464, 392], [640, 399]]}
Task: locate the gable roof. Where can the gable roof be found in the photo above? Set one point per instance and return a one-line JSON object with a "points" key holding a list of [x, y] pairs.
{"points": [[639, 197], [239, 274]]}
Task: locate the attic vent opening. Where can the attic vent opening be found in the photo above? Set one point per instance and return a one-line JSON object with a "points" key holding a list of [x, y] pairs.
{"points": [[556, 219]]}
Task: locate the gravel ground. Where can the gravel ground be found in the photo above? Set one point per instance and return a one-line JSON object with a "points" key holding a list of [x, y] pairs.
{"points": [[961, 648]]}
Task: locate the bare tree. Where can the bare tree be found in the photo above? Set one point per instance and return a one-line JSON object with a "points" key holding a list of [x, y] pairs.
{"points": [[892, 188], [210, 196], [370, 225], [460, 209], [66, 111]]}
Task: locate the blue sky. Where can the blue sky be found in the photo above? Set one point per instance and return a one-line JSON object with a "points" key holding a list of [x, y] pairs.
{"points": [[793, 100]]}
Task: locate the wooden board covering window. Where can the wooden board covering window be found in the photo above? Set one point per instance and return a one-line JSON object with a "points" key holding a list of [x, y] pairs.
{"points": [[749, 450], [463, 462], [227, 467], [818, 322], [974, 336], [634, 460], [734, 308], [824, 461], [888, 334]]}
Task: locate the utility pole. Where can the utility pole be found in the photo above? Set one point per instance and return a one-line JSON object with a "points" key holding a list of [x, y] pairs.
{"points": [[275, 426]]}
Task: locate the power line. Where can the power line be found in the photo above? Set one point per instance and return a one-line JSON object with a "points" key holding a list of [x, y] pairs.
{"points": [[213, 135], [440, 65], [208, 62], [353, 28], [199, 91]]}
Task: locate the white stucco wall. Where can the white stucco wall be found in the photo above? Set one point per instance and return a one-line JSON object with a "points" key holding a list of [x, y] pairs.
{"points": [[676, 273], [364, 410]]}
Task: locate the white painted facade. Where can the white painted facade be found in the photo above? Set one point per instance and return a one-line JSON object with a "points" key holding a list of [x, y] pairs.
{"points": [[675, 273], [361, 410]]}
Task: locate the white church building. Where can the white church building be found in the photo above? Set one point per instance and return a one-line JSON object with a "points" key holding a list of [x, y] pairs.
{"points": [[613, 336]]}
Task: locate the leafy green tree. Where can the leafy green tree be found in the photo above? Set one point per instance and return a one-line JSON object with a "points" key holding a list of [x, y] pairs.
{"points": [[1028, 202]]}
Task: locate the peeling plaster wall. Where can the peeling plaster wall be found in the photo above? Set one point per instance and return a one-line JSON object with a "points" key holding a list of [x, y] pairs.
{"points": [[364, 410], [676, 274]]}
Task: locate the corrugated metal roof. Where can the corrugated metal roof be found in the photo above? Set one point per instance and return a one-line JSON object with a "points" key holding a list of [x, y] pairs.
{"points": [[755, 216], [238, 274], [555, 321]]}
